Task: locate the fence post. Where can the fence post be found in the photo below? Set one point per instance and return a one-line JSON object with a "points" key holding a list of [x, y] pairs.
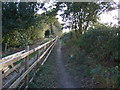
{"points": [[5, 46], [44, 47], [38, 55], [26, 66], [0, 77]]}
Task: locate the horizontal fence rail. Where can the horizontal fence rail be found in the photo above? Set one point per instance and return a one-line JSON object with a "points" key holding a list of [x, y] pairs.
{"points": [[12, 56], [15, 68]]}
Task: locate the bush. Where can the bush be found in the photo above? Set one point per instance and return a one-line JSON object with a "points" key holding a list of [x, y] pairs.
{"points": [[17, 38], [96, 52], [100, 44]]}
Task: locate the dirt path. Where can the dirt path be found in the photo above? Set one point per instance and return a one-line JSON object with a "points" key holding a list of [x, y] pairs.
{"points": [[65, 80], [54, 73]]}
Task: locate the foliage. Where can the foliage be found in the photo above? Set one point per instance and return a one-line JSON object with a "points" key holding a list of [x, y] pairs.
{"points": [[47, 33], [100, 44], [18, 15], [81, 15], [45, 77], [22, 25], [95, 55]]}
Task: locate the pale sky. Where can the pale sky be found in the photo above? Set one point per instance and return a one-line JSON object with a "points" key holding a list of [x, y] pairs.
{"points": [[109, 17]]}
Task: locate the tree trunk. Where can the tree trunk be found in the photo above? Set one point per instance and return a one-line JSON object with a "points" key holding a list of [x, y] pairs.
{"points": [[86, 26], [80, 28]]}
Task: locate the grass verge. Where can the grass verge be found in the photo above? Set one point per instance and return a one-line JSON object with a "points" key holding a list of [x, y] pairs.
{"points": [[88, 72], [45, 77]]}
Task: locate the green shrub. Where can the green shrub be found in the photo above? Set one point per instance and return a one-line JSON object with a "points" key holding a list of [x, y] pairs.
{"points": [[17, 38], [101, 44], [94, 52]]}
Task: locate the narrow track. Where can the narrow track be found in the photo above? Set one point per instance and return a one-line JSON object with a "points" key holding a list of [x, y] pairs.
{"points": [[65, 80]]}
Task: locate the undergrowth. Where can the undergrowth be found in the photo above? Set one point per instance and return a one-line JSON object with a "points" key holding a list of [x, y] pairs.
{"points": [[45, 77], [90, 57]]}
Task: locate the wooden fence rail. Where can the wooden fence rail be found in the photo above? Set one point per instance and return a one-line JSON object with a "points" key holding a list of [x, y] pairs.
{"points": [[15, 69]]}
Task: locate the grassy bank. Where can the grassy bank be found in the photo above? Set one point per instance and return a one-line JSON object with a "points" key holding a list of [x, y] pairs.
{"points": [[93, 66], [45, 77]]}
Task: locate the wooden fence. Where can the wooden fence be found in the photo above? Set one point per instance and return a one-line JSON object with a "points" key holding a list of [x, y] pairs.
{"points": [[15, 69]]}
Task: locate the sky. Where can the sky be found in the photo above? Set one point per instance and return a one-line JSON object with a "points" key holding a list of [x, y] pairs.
{"points": [[109, 17]]}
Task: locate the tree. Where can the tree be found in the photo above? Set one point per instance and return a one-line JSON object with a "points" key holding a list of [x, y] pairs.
{"points": [[22, 24], [81, 14], [18, 15]]}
